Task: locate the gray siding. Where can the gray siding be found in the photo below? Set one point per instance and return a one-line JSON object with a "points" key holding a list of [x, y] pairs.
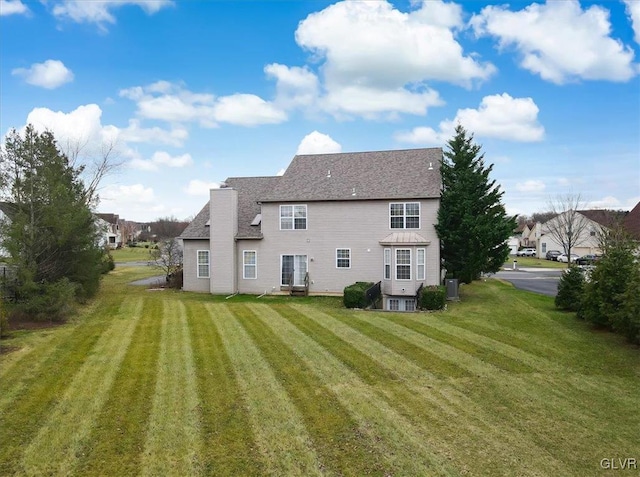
{"points": [[190, 266], [223, 207], [356, 225]]}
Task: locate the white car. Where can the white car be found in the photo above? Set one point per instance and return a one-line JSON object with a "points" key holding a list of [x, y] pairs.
{"points": [[526, 252], [564, 258]]}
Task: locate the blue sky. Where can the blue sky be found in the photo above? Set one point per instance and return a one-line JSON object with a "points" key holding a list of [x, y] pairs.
{"points": [[192, 92]]}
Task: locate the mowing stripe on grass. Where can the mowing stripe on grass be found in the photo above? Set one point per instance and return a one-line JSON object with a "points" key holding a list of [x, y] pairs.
{"points": [[417, 364], [34, 384], [360, 363], [230, 447], [174, 444], [483, 353], [115, 446], [55, 447], [342, 449], [511, 356], [281, 436], [403, 447]]}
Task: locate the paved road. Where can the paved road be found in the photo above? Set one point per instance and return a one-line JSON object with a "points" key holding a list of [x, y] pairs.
{"points": [[538, 280]]}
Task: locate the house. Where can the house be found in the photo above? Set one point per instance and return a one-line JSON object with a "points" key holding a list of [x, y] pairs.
{"points": [[587, 225], [109, 226], [329, 221], [632, 222]]}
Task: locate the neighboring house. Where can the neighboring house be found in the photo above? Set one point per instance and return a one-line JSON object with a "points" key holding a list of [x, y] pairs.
{"points": [[589, 224], [331, 220], [632, 222], [109, 225], [531, 235]]}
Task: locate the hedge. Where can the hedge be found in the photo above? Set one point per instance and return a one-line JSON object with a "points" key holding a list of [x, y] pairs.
{"points": [[433, 298], [355, 296]]}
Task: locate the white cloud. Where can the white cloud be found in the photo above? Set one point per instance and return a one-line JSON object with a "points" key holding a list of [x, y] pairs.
{"points": [[50, 75], [135, 133], [161, 158], [247, 110], [633, 11], [295, 86], [318, 143], [198, 187], [173, 103], [388, 56], [123, 194], [12, 7], [101, 12], [531, 186], [499, 116], [556, 52], [83, 126]]}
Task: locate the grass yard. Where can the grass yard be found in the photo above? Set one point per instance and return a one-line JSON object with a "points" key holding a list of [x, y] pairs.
{"points": [[534, 262], [132, 254], [177, 384]]}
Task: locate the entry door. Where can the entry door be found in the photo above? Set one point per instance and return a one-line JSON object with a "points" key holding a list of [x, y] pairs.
{"points": [[296, 264]]}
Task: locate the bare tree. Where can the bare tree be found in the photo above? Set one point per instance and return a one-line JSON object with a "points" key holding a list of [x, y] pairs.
{"points": [[568, 227], [95, 163], [168, 257]]}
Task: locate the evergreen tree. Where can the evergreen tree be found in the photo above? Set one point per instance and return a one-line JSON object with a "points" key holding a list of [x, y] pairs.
{"points": [[472, 223], [50, 234]]}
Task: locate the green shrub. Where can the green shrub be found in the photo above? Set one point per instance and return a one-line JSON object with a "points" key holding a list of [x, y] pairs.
{"points": [[108, 264], [570, 289], [4, 320], [432, 298], [627, 319], [48, 301], [354, 295]]}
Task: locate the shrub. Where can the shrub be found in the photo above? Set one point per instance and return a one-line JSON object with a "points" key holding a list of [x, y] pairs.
{"points": [[108, 263], [4, 320], [48, 301], [570, 289], [354, 295], [433, 298], [175, 279], [627, 319]]}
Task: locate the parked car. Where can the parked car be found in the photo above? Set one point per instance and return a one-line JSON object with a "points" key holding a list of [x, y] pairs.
{"points": [[526, 252], [588, 259], [553, 255], [564, 258]]}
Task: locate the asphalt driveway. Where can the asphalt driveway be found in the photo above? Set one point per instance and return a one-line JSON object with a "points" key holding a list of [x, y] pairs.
{"points": [[537, 280]]}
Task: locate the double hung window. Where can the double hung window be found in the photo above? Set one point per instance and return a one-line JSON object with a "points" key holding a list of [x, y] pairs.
{"points": [[293, 217], [404, 215]]}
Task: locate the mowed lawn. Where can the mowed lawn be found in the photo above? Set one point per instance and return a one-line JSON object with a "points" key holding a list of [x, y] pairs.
{"points": [[167, 383]]}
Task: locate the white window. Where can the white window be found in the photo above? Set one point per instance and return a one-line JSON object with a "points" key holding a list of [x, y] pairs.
{"points": [[203, 263], [404, 215], [403, 264], [544, 247], [293, 217], [394, 304], [249, 264], [343, 258], [420, 264], [387, 264], [409, 305]]}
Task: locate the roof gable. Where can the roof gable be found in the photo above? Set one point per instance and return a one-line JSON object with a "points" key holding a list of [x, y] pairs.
{"points": [[400, 174], [632, 222]]}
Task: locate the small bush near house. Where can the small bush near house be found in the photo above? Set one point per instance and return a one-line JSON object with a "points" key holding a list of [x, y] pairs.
{"points": [[432, 298], [108, 264], [354, 295], [175, 280], [570, 289]]}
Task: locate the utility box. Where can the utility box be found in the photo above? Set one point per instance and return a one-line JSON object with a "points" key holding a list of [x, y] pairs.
{"points": [[452, 288]]}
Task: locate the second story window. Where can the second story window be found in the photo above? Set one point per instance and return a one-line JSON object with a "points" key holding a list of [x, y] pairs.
{"points": [[293, 217], [404, 215]]}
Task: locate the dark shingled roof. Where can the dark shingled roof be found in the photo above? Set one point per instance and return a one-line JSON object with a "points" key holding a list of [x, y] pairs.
{"points": [[250, 189], [404, 174], [197, 228], [401, 174], [632, 222], [605, 217]]}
